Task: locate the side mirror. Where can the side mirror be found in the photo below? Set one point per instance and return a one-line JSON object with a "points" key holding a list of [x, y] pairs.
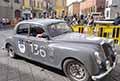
{"points": [[44, 35]]}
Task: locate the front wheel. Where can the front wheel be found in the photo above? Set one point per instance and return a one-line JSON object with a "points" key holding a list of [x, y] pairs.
{"points": [[75, 70], [11, 52]]}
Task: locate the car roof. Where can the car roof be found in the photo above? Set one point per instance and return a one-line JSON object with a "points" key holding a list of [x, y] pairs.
{"points": [[43, 22]]}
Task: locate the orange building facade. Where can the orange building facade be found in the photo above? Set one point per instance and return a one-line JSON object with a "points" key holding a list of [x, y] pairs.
{"points": [[60, 7], [89, 6], [74, 9]]}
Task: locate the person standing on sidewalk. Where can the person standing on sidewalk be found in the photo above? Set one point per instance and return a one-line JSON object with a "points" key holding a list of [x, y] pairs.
{"points": [[117, 19], [1, 24], [90, 21]]}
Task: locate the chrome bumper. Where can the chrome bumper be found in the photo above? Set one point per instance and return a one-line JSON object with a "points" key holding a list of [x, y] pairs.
{"points": [[105, 73]]}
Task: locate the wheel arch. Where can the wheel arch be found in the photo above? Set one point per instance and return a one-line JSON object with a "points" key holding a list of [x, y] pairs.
{"points": [[7, 45], [79, 60], [73, 58], [67, 58]]}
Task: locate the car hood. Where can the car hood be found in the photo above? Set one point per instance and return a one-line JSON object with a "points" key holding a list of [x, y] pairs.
{"points": [[79, 38]]}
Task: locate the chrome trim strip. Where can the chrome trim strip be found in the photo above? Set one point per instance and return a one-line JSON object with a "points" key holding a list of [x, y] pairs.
{"points": [[102, 43]]}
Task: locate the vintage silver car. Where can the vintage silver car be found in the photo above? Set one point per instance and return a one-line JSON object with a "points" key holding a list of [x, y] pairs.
{"points": [[52, 42]]}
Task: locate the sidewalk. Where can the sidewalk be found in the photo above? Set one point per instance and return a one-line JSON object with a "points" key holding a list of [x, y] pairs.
{"points": [[5, 27]]}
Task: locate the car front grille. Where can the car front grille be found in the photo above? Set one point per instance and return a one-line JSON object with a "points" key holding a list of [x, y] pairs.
{"points": [[109, 53]]}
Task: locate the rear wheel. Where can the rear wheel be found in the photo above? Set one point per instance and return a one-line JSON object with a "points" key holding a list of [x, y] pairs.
{"points": [[11, 52], [75, 70]]}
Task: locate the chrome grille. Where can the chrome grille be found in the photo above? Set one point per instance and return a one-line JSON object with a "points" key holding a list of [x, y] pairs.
{"points": [[109, 53]]}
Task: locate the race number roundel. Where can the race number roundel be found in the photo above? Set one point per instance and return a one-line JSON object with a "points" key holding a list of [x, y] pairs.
{"points": [[21, 47]]}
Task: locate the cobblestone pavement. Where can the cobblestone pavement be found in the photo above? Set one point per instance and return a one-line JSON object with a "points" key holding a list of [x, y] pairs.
{"points": [[21, 69]]}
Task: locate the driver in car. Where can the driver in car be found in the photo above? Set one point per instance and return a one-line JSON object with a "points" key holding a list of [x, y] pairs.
{"points": [[40, 32]]}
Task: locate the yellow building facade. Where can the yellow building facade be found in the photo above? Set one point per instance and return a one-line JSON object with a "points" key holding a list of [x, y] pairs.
{"points": [[26, 4], [36, 4], [36, 8], [60, 7], [26, 9], [32, 7]]}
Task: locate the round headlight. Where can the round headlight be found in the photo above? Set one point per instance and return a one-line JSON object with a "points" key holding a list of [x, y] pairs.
{"points": [[98, 59], [107, 64]]}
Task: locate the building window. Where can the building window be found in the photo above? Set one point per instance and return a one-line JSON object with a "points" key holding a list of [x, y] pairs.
{"points": [[34, 3], [107, 13], [107, 4], [38, 5], [23, 2], [17, 1], [63, 3], [31, 3], [7, 0]]}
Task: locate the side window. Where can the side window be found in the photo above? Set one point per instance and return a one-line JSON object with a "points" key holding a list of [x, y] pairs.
{"points": [[23, 29], [36, 30], [52, 30]]}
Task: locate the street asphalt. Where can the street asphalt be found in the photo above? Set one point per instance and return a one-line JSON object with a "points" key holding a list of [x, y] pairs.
{"points": [[21, 69]]}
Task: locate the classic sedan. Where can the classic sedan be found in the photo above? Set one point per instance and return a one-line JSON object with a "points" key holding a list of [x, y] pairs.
{"points": [[52, 42]]}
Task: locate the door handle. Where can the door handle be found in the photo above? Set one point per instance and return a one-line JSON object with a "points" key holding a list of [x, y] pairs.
{"points": [[29, 41]]}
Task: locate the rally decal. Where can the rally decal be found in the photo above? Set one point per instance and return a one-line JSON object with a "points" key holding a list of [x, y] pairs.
{"points": [[36, 50], [21, 46]]}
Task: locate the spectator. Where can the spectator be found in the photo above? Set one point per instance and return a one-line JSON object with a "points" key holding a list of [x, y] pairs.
{"points": [[81, 20], [7, 21], [117, 19], [3, 21], [1, 24], [74, 19], [66, 18], [90, 21]]}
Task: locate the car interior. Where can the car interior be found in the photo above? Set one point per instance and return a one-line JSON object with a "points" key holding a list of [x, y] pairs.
{"points": [[34, 31]]}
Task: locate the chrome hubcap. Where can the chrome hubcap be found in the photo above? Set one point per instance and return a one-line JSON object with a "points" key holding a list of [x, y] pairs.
{"points": [[11, 53], [77, 71]]}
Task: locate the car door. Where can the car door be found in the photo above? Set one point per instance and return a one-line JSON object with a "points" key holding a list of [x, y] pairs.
{"points": [[39, 46], [21, 39]]}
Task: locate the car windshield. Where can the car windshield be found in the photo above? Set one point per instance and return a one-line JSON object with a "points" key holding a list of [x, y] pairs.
{"points": [[58, 29]]}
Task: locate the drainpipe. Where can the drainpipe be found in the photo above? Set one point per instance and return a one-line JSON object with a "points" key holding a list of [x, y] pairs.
{"points": [[12, 8]]}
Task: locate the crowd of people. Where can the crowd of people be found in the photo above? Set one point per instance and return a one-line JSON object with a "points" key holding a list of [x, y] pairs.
{"points": [[80, 20], [89, 20], [71, 20], [4, 22]]}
